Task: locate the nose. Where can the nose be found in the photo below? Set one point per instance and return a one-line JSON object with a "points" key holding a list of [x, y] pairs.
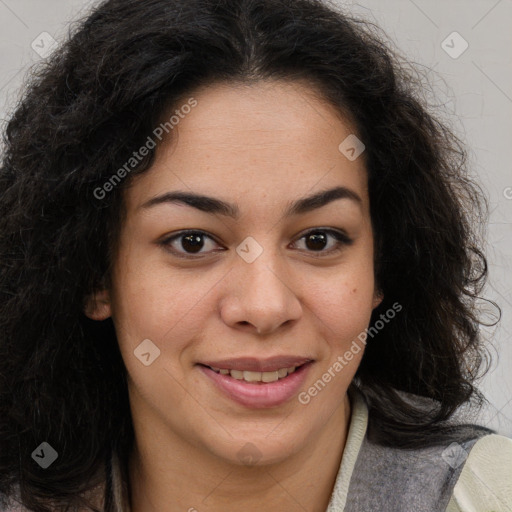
{"points": [[260, 296]]}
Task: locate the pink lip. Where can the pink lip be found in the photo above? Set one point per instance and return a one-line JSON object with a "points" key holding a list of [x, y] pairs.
{"points": [[253, 364], [259, 395]]}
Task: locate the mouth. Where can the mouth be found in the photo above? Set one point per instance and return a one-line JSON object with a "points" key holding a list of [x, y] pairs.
{"points": [[254, 389], [256, 377]]}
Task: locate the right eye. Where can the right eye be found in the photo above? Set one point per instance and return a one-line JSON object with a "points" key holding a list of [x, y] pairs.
{"points": [[190, 241]]}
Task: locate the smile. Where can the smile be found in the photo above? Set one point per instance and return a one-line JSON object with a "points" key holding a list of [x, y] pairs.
{"points": [[249, 376], [257, 390]]}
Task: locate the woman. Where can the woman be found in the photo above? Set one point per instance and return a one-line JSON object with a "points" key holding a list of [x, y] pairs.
{"points": [[238, 271]]}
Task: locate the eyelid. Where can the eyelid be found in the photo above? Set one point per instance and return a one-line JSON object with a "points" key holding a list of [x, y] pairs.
{"points": [[338, 234]]}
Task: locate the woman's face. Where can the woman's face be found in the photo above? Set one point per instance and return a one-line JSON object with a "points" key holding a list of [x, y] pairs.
{"points": [[266, 289]]}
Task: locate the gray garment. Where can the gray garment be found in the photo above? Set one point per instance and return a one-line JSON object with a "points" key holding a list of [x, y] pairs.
{"points": [[389, 479]]}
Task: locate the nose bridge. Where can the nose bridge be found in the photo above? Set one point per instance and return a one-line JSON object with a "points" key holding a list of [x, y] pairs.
{"points": [[263, 296], [261, 266]]}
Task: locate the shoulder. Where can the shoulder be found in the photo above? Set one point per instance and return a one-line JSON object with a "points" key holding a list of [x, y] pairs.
{"points": [[485, 482]]}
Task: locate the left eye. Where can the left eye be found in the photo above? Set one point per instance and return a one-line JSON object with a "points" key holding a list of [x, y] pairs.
{"points": [[316, 241]]}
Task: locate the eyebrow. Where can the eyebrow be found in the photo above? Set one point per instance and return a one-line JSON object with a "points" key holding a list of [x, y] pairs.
{"points": [[216, 206]]}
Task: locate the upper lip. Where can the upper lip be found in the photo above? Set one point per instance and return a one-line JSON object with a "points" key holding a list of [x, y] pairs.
{"points": [[253, 364]]}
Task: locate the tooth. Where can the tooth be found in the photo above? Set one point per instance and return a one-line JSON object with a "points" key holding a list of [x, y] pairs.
{"points": [[252, 376], [282, 372], [237, 374], [215, 369], [269, 376]]}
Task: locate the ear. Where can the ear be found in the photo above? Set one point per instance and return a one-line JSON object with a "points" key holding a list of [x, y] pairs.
{"points": [[378, 297], [97, 305]]}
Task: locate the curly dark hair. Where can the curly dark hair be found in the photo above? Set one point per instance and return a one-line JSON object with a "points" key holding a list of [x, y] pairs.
{"points": [[96, 99]]}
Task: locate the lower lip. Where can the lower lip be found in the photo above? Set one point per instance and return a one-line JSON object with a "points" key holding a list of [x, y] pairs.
{"points": [[259, 395]]}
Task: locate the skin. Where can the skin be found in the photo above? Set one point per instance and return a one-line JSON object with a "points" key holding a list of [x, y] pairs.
{"points": [[260, 146]]}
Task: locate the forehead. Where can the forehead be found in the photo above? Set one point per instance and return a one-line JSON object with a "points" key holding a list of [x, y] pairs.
{"points": [[263, 140]]}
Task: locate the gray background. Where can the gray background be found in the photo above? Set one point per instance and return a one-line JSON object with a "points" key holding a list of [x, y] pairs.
{"points": [[475, 89]]}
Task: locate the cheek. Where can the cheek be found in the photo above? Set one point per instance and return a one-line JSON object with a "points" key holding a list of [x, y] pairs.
{"points": [[343, 305], [154, 302]]}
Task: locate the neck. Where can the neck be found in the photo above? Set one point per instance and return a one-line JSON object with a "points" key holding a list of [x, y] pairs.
{"points": [[170, 475]]}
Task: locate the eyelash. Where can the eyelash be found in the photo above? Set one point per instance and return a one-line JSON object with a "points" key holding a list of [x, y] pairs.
{"points": [[341, 238]]}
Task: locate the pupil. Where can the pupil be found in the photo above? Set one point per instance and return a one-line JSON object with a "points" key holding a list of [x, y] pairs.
{"points": [[318, 240], [315, 241], [195, 242]]}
